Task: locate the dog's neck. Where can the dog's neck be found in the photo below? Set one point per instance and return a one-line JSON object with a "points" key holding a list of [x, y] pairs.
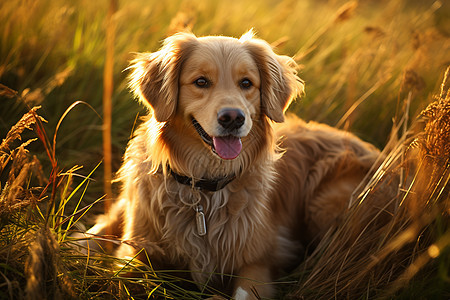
{"points": [[211, 185]]}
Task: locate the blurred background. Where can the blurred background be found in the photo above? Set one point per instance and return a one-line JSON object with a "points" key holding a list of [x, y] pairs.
{"points": [[361, 61]]}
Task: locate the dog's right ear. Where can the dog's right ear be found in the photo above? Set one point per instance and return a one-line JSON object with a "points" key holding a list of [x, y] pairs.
{"points": [[279, 81], [154, 78]]}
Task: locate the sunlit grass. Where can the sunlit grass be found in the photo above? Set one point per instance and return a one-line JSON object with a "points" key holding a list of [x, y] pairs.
{"points": [[368, 65]]}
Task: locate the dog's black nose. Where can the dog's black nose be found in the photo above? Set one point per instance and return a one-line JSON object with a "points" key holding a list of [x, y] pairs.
{"points": [[231, 118]]}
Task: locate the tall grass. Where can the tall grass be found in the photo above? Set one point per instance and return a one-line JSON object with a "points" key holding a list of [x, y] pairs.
{"points": [[368, 65], [38, 258], [396, 232]]}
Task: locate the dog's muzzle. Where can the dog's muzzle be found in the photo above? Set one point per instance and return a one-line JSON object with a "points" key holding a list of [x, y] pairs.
{"points": [[226, 147]]}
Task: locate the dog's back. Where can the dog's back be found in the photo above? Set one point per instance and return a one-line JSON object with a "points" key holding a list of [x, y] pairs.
{"points": [[317, 174]]}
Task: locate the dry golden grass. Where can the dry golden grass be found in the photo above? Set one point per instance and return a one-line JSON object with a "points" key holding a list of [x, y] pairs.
{"points": [[14, 193]]}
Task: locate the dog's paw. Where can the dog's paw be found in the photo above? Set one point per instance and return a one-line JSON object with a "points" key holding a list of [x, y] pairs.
{"points": [[240, 294]]}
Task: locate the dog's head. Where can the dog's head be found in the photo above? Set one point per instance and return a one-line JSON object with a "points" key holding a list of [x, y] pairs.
{"points": [[221, 85]]}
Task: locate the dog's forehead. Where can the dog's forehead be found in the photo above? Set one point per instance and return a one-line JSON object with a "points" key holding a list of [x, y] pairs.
{"points": [[223, 51]]}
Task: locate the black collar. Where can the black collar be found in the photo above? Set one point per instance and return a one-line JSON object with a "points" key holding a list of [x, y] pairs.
{"points": [[212, 185]]}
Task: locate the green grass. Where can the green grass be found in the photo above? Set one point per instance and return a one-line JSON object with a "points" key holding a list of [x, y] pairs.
{"points": [[360, 60]]}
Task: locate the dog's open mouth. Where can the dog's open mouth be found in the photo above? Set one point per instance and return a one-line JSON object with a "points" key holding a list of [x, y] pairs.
{"points": [[226, 147]]}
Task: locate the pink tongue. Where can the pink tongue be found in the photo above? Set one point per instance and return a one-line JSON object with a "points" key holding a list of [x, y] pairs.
{"points": [[227, 147]]}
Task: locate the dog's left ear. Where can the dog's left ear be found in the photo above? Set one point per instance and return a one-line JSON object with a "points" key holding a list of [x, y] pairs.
{"points": [[279, 81], [154, 78]]}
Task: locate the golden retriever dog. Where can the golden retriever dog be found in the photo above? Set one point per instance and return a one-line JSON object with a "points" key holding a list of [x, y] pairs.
{"points": [[217, 179]]}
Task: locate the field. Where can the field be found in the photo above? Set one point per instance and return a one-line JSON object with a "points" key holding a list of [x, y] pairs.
{"points": [[370, 67]]}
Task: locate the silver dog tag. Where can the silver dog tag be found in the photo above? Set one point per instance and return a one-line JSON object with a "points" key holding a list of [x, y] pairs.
{"points": [[200, 219]]}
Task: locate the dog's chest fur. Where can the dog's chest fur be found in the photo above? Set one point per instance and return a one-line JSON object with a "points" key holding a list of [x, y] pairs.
{"points": [[237, 217], [231, 229]]}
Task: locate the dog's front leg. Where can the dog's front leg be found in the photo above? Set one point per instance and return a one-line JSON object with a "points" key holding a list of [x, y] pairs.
{"points": [[252, 281]]}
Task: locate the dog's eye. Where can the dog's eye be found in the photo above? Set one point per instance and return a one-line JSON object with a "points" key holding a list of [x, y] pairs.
{"points": [[245, 84], [202, 82]]}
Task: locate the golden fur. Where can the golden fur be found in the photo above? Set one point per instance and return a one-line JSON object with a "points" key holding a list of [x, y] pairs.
{"points": [[292, 179]]}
